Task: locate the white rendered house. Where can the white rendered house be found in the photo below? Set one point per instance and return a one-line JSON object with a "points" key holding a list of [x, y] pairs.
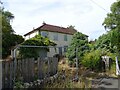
{"points": [[60, 35]]}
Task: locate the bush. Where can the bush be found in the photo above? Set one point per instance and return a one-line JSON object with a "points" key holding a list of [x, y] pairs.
{"points": [[71, 63], [112, 55], [92, 59]]}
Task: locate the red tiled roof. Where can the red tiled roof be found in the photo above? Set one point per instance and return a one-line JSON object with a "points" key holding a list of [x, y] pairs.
{"points": [[53, 28]]}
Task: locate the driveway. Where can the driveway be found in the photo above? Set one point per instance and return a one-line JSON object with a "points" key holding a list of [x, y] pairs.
{"points": [[107, 83]]}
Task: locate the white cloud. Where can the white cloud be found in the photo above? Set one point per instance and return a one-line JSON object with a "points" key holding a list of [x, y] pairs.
{"points": [[83, 14]]}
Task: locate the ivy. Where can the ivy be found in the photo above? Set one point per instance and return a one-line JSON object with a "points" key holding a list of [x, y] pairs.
{"points": [[38, 40]]}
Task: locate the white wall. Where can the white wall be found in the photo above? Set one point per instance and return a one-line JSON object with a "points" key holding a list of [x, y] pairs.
{"points": [[31, 35], [60, 42]]}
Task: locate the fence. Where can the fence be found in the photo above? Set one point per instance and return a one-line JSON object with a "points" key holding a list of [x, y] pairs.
{"points": [[28, 70]]}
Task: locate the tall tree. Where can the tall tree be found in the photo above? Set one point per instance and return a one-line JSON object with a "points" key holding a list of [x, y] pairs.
{"points": [[112, 23], [9, 39], [80, 42]]}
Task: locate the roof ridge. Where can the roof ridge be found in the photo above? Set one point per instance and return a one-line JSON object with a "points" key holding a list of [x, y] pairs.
{"points": [[52, 28], [56, 26]]}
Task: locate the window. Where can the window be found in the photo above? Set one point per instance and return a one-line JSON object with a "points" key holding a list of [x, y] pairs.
{"points": [[65, 48], [65, 37], [44, 34], [55, 37]]}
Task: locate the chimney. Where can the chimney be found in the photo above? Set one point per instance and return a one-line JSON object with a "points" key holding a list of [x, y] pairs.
{"points": [[33, 28], [44, 23]]}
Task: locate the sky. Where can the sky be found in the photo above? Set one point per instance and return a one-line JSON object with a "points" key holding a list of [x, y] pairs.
{"points": [[86, 15]]}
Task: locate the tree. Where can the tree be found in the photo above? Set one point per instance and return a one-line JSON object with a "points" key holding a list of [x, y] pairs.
{"points": [[80, 42], [104, 43], [9, 39], [71, 27], [112, 22]]}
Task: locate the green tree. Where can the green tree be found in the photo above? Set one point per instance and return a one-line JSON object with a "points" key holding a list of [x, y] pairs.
{"points": [[79, 42], [112, 23], [9, 39], [104, 43]]}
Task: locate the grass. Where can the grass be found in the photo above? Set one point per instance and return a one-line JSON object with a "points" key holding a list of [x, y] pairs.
{"points": [[70, 73], [85, 76], [85, 81]]}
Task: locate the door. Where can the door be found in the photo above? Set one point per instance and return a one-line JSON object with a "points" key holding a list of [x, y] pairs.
{"points": [[43, 53], [60, 51]]}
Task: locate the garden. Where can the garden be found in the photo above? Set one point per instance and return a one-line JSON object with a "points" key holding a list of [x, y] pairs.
{"points": [[83, 62]]}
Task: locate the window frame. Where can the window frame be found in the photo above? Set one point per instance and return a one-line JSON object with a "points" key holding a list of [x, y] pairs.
{"points": [[65, 48], [65, 37], [55, 36], [44, 33]]}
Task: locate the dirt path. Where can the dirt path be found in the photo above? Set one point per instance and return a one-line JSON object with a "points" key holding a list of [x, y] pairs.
{"points": [[108, 83]]}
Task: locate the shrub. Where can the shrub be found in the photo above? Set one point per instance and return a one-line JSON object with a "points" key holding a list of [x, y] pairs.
{"points": [[112, 55], [92, 59]]}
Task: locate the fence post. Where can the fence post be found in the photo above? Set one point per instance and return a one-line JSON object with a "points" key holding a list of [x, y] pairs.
{"points": [[0, 74]]}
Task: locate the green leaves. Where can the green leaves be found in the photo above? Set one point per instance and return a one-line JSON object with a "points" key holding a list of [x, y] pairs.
{"points": [[92, 59], [9, 39], [112, 22], [38, 40], [80, 42]]}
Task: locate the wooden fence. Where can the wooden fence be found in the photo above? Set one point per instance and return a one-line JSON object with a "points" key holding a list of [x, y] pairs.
{"points": [[28, 70]]}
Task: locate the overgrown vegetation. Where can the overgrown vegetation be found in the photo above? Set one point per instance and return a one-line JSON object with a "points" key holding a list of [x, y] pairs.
{"points": [[33, 52], [107, 44], [79, 45], [92, 59]]}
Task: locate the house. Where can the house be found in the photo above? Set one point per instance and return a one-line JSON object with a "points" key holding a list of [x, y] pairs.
{"points": [[60, 35]]}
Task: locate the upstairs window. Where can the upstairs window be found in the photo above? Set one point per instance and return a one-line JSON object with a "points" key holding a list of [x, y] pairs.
{"points": [[55, 37], [44, 34], [65, 37]]}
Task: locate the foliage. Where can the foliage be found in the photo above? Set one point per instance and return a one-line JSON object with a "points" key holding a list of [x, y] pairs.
{"points": [[112, 55], [92, 59], [6, 17], [79, 42], [104, 42], [91, 45], [9, 39], [38, 40], [18, 85], [112, 22]]}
